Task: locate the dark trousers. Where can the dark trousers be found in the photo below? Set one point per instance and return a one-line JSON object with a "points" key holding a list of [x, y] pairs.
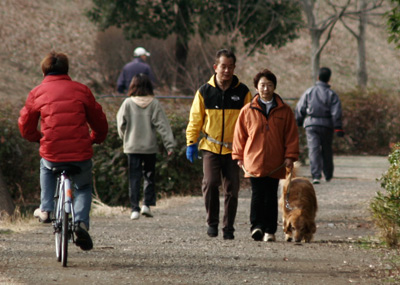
{"points": [[264, 204], [319, 142], [220, 169], [142, 165]]}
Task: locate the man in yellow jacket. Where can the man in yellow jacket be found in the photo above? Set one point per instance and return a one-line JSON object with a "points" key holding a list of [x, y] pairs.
{"points": [[214, 112]]}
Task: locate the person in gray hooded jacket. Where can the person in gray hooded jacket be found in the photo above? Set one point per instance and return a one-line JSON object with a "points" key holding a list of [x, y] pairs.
{"points": [[139, 119], [319, 111]]}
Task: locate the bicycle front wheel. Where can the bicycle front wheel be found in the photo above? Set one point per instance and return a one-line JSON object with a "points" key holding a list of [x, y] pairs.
{"points": [[64, 238], [57, 224], [58, 244]]}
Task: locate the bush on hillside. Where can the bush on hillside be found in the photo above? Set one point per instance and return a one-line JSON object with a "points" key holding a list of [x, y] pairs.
{"points": [[19, 160], [385, 206], [371, 122], [175, 175]]}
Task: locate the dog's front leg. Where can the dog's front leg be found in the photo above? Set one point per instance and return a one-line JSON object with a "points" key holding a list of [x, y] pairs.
{"points": [[287, 229]]}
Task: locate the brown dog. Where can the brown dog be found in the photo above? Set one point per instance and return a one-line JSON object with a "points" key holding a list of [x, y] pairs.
{"points": [[299, 207]]}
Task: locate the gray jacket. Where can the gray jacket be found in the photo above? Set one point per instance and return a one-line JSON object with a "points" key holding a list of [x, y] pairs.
{"points": [[138, 120], [319, 106]]}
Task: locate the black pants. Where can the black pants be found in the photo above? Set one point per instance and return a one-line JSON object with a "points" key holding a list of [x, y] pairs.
{"points": [[142, 165], [264, 204], [215, 168]]}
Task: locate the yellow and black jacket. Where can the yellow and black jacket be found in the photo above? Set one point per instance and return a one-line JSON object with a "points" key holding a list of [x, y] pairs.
{"points": [[214, 113]]}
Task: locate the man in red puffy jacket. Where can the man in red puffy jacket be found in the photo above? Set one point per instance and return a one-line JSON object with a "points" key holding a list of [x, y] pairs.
{"points": [[70, 122]]}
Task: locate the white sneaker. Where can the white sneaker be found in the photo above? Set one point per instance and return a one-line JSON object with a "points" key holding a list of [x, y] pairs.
{"points": [[43, 216], [316, 181], [146, 211], [135, 215], [269, 237]]}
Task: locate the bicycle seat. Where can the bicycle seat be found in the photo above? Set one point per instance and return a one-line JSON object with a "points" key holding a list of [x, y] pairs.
{"points": [[70, 169]]}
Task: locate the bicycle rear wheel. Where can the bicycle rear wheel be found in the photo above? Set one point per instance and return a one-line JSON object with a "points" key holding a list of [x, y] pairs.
{"points": [[64, 239]]}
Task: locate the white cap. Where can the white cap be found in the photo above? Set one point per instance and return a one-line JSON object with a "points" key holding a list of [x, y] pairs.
{"points": [[139, 51]]}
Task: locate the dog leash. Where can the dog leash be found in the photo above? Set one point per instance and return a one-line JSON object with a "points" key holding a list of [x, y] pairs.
{"points": [[287, 205], [273, 171]]}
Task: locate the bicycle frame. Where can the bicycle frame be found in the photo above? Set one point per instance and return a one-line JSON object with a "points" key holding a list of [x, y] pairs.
{"points": [[68, 192], [64, 221]]}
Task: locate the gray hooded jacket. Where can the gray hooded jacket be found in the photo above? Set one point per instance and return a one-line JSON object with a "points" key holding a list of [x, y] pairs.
{"points": [[319, 106], [138, 120]]}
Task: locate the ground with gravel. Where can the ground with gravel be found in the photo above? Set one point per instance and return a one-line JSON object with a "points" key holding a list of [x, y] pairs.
{"points": [[173, 248]]}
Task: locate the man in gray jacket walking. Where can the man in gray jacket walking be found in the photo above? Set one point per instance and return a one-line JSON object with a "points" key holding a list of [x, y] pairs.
{"points": [[319, 111]]}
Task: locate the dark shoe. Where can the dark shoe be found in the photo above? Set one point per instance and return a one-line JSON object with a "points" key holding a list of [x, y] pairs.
{"points": [[43, 216], [83, 239], [257, 234], [229, 235], [212, 231]]}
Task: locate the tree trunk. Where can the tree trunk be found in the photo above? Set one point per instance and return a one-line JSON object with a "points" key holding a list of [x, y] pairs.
{"points": [[6, 203], [182, 43], [362, 76], [315, 54]]}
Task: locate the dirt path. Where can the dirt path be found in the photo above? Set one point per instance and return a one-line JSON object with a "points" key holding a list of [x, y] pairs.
{"points": [[173, 248]]}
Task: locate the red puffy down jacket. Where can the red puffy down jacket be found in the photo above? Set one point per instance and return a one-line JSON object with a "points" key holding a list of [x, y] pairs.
{"points": [[70, 119]]}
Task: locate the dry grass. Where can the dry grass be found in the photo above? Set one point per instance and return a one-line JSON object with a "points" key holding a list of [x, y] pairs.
{"points": [[20, 223], [30, 29]]}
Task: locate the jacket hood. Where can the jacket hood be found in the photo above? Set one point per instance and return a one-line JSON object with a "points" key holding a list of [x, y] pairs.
{"points": [[142, 101]]}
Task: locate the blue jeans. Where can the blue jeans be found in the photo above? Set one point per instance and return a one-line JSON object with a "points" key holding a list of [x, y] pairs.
{"points": [[81, 181]]}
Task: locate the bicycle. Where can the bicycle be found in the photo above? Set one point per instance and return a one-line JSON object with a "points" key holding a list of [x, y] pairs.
{"points": [[63, 223]]}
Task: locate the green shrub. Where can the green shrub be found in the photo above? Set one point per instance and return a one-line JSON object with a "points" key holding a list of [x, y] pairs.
{"points": [[19, 160], [385, 206], [175, 175], [371, 123]]}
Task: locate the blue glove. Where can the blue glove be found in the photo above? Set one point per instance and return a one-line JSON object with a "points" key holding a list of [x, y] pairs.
{"points": [[192, 152]]}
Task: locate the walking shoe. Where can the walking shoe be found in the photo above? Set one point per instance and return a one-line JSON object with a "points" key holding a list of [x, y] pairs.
{"points": [[269, 237], [44, 217], [316, 181], [135, 215], [257, 234], [83, 239], [146, 211], [212, 231], [228, 236]]}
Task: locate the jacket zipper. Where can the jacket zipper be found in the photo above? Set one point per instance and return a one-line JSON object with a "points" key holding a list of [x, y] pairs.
{"points": [[223, 121]]}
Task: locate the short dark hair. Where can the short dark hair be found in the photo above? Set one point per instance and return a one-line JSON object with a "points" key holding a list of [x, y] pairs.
{"points": [[267, 74], [140, 86], [324, 74], [225, 52], [55, 62]]}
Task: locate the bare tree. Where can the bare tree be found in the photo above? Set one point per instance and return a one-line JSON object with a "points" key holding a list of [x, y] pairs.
{"points": [[6, 203], [318, 27], [361, 14]]}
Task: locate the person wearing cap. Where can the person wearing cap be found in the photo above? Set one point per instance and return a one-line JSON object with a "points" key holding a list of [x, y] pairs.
{"points": [[136, 66], [319, 111]]}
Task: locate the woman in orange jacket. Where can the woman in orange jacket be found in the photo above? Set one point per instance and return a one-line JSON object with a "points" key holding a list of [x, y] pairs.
{"points": [[265, 142]]}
